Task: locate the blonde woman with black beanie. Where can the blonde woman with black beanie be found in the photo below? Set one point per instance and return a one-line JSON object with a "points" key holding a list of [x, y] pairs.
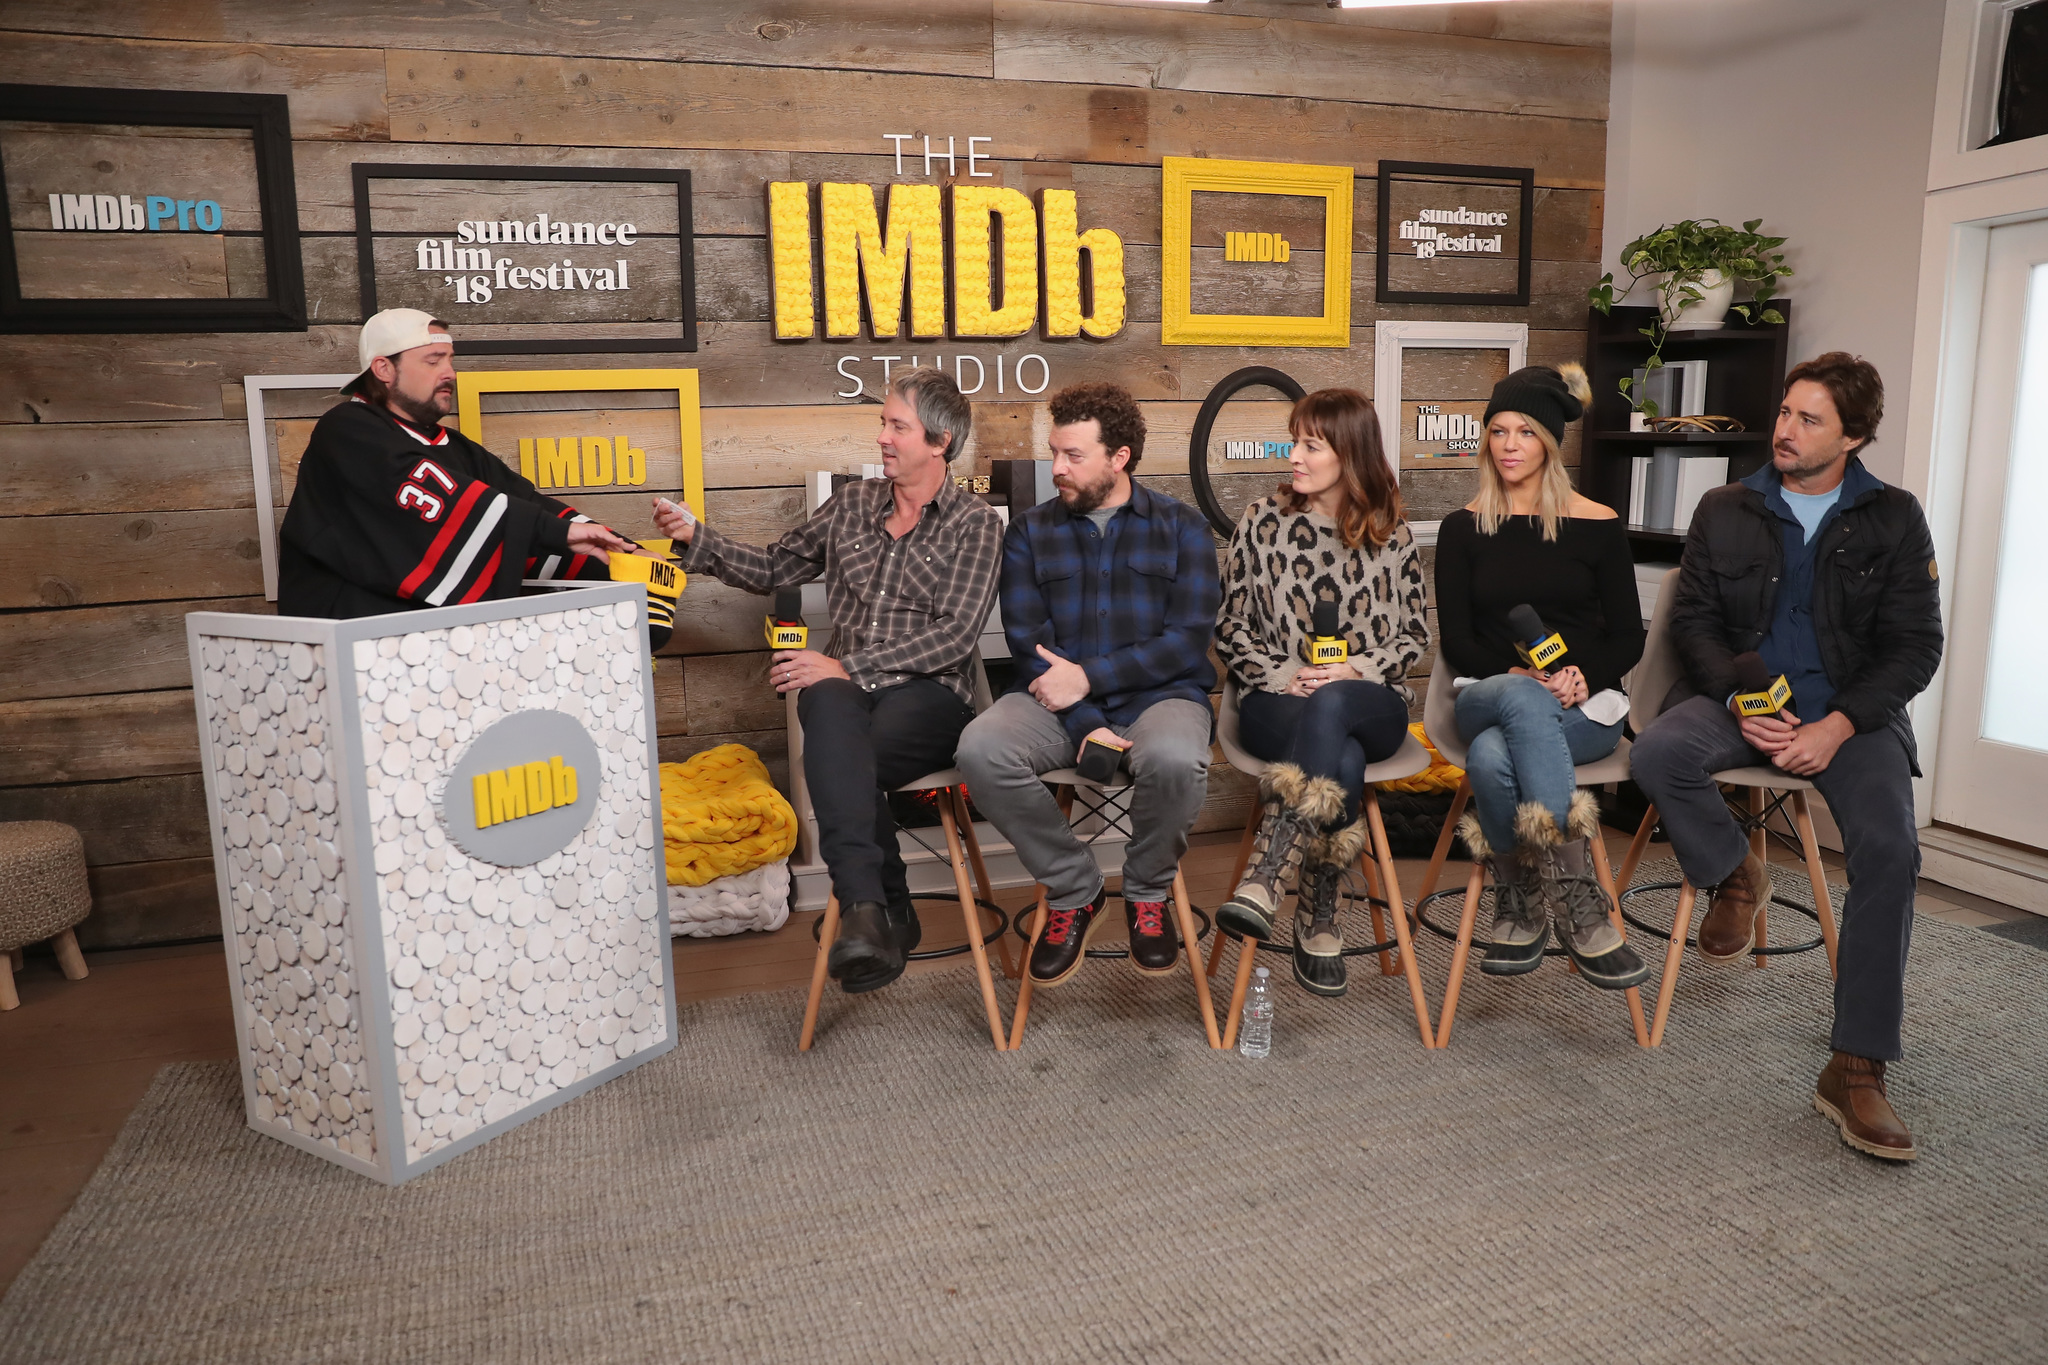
{"points": [[1529, 540]]}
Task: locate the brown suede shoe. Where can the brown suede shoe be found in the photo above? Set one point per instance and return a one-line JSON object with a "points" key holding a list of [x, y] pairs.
{"points": [[1729, 930], [1851, 1092]]}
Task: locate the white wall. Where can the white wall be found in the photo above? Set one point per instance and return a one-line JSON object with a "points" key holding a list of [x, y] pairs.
{"points": [[1815, 115]]}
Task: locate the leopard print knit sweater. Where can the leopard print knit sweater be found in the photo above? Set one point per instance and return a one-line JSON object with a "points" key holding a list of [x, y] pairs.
{"points": [[1280, 562]]}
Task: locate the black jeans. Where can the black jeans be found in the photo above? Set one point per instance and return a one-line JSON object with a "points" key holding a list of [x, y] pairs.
{"points": [[1869, 790], [858, 745], [1333, 732]]}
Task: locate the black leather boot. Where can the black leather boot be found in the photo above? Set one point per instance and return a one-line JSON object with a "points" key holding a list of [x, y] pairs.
{"points": [[866, 956]]}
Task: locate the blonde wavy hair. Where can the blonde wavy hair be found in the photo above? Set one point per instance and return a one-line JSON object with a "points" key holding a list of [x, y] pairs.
{"points": [[1554, 486]]}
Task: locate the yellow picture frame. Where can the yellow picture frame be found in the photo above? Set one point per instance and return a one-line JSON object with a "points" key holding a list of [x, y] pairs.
{"points": [[472, 385], [1180, 325]]}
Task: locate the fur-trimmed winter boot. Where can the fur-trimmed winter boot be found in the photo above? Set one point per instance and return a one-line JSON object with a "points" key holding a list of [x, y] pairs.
{"points": [[1521, 927], [1318, 938], [1297, 807], [1578, 908]]}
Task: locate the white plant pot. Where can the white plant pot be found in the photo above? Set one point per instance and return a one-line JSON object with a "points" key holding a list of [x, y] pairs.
{"points": [[1703, 314]]}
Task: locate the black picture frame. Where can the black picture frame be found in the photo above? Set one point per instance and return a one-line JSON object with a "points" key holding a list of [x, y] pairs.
{"points": [[1524, 176], [363, 172], [268, 119], [1250, 377]]}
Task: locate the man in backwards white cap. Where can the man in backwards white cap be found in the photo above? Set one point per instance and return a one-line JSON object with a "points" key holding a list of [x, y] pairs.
{"points": [[395, 511]]}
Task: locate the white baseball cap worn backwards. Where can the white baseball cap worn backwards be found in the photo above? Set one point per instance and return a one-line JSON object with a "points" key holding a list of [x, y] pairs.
{"points": [[392, 331]]}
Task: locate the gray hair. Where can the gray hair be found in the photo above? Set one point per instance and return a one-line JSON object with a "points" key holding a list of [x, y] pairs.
{"points": [[940, 404]]}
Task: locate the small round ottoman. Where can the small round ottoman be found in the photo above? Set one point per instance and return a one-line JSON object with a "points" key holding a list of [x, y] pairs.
{"points": [[42, 894]]}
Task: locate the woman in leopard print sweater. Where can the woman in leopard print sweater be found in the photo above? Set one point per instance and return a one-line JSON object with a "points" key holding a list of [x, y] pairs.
{"points": [[1332, 534]]}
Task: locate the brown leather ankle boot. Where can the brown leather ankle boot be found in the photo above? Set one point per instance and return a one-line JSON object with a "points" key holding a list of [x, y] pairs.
{"points": [[1729, 930], [1851, 1092]]}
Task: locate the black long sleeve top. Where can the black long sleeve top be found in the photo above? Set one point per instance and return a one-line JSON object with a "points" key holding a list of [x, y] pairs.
{"points": [[1582, 584]]}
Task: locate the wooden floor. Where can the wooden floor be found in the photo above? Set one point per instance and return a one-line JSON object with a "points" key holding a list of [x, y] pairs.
{"points": [[78, 1055]]}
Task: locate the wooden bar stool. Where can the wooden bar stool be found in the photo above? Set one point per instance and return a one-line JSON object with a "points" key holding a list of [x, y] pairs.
{"points": [[1770, 792], [1099, 802], [1440, 722], [1376, 864], [43, 894], [962, 851]]}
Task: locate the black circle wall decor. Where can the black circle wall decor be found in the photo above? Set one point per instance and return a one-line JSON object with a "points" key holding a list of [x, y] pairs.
{"points": [[1250, 377]]}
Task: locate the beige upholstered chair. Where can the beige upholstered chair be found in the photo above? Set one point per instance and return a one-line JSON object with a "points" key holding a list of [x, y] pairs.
{"points": [[1377, 864], [1067, 784], [1770, 790], [963, 850], [1440, 723]]}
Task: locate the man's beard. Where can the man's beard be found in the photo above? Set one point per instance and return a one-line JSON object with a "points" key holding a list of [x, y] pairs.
{"points": [[425, 412], [1803, 469], [1085, 498]]}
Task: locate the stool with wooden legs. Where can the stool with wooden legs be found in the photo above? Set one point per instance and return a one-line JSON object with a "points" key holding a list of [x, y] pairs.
{"points": [[1376, 864], [1440, 723], [948, 788], [1098, 798], [43, 894], [1770, 791]]}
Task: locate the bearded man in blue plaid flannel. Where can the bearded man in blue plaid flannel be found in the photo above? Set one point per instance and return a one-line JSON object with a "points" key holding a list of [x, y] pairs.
{"points": [[1109, 595]]}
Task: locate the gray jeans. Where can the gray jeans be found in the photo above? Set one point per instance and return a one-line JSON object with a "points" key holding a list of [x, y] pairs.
{"points": [[1004, 750], [1869, 790]]}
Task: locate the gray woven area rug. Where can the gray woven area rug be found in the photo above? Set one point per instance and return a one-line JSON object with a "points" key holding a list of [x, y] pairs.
{"points": [[1542, 1190]]}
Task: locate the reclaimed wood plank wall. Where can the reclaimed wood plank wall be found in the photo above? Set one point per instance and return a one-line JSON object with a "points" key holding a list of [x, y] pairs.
{"points": [[124, 472]]}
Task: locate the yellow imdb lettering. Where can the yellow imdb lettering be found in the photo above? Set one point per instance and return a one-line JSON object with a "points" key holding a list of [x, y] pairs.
{"points": [[1328, 650], [522, 790], [1543, 653], [1769, 702], [592, 462], [1255, 246]]}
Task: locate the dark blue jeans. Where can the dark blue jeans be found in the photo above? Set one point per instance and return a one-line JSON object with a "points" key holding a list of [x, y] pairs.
{"points": [[1334, 732]]}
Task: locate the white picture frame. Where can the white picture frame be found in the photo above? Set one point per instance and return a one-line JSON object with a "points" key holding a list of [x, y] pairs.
{"points": [[1391, 339], [254, 386]]}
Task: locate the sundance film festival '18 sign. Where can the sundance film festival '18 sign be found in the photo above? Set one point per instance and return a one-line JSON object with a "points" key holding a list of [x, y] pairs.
{"points": [[523, 259]]}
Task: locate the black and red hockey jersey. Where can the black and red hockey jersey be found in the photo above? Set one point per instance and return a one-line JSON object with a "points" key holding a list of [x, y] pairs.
{"points": [[388, 516]]}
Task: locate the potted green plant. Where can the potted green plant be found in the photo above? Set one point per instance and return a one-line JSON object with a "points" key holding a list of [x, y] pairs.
{"points": [[1699, 263]]}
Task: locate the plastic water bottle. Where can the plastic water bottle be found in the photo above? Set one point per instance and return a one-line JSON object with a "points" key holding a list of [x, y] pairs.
{"points": [[1255, 1035]]}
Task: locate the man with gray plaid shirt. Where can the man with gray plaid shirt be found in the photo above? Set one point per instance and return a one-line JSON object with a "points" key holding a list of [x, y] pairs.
{"points": [[909, 564]]}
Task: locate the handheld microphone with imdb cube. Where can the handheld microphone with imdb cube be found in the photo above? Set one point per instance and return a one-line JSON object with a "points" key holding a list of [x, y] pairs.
{"points": [[1326, 644], [785, 627], [664, 580], [1757, 693], [1537, 646]]}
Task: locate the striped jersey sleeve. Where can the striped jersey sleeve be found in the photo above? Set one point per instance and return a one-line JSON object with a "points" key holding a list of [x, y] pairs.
{"points": [[422, 515]]}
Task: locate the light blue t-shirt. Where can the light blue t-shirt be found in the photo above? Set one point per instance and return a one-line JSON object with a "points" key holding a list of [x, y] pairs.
{"points": [[1811, 508]]}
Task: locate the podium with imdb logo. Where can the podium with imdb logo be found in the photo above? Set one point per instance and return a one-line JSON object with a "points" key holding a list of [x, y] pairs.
{"points": [[437, 839]]}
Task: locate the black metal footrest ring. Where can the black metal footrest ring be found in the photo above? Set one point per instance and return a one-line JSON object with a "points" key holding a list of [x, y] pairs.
{"points": [[1451, 934], [1665, 931], [934, 954]]}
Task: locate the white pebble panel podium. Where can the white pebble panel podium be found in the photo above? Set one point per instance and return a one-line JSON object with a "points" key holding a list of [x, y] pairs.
{"points": [[437, 837]]}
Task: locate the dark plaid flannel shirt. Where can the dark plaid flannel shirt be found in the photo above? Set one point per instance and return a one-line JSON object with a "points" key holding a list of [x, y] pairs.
{"points": [[1134, 605], [901, 609]]}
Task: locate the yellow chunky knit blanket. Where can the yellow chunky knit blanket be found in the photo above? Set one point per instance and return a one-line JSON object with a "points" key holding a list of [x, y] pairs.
{"points": [[1439, 776], [721, 815]]}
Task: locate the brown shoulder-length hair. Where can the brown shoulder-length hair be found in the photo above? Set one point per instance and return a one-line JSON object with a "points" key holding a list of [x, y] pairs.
{"points": [[1370, 506]]}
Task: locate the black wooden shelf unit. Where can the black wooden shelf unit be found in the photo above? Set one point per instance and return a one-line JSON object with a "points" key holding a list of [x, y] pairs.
{"points": [[1745, 373]]}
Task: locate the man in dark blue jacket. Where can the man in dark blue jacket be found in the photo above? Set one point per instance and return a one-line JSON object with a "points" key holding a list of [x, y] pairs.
{"points": [[1109, 597], [1827, 572]]}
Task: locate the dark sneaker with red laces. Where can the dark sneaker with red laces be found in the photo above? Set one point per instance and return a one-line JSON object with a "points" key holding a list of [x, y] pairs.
{"points": [[1154, 944], [1062, 948]]}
